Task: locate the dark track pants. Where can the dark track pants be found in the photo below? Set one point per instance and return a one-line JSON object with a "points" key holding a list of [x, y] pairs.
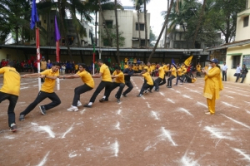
{"points": [[145, 86], [12, 103], [40, 97], [78, 91], [103, 84], [170, 81], [157, 82], [179, 78], [113, 86], [130, 87]]}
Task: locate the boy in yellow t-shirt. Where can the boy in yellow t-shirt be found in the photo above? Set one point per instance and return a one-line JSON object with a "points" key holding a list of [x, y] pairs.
{"points": [[105, 83], [172, 76], [88, 85], [10, 91], [198, 70], [47, 91], [148, 83], [119, 82], [161, 78]]}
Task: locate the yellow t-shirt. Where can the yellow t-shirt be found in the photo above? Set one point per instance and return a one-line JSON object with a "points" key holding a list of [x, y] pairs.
{"points": [[49, 84], [86, 78], [166, 68], [198, 68], [126, 60], [105, 73], [184, 70], [179, 72], [173, 72], [76, 66], [11, 81], [148, 69], [119, 78], [125, 66], [43, 65], [148, 78], [140, 67], [135, 60], [161, 72]]}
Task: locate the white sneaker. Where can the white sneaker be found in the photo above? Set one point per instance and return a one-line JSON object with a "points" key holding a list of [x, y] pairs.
{"points": [[72, 108], [79, 104]]}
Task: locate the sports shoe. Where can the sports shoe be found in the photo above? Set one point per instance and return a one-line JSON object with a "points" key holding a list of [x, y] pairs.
{"points": [[21, 117], [79, 104], [13, 127], [209, 113], [72, 108], [118, 100], [124, 95], [146, 91], [157, 90], [140, 95], [42, 109], [87, 105], [102, 100]]}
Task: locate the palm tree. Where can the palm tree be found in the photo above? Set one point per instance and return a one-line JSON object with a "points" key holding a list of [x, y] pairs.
{"points": [[159, 37], [199, 22], [138, 4]]}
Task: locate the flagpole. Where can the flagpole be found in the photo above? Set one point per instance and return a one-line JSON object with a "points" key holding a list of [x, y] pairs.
{"points": [[94, 59], [57, 35], [38, 56]]}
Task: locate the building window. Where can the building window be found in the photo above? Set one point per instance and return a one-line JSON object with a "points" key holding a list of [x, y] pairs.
{"points": [[142, 42], [109, 23], [236, 61], [246, 20], [141, 27]]}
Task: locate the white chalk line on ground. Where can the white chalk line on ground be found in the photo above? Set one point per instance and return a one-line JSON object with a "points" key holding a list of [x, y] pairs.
{"points": [[229, 96], [219, 133], [64, 134], [46, 129], [186, 96], [117, 126], [185, 111], [230, 105], [82, 111], [115, 148], [155, 115], [170, 100], [187, 161], [165, 135], [72, 154], [148, 105], [44, 160], [202, 104], [242, 153], [238, 122]]}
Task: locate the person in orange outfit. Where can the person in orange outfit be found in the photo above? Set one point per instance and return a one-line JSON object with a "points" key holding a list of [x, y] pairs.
{"points": [[213, 85]]}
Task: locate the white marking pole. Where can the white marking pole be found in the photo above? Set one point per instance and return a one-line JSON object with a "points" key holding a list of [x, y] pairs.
{"points": [[93, 68], [58, 83], [38, 56]]}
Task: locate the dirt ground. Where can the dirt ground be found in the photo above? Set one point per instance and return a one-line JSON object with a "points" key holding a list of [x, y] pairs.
{"points": [[161, 128]]}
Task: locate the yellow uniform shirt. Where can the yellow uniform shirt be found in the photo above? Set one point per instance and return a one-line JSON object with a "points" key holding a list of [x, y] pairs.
{"points": [[126, 60], [119, 78], [140, 67], [106, 76], [166, 68], [125, 66], [179, 72], [213, 83], [11, 81], [173, 72], [43, 65], [76, 66], [161, 72], [148, 78], [49, 84], [135, 60], [86, 78], [148, 69], [198, 68]]}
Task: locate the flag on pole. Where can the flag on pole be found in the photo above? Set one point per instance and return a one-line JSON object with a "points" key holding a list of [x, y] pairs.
{"points": [[34, 15], [188, 61], [94, 59], [34, 18], [57, 38], [173, 63]]}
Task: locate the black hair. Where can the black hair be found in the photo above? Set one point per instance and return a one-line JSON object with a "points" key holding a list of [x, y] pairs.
{"points": [[83, 65], [55, 64], [100, 60], [117, 68], [11, 64]]}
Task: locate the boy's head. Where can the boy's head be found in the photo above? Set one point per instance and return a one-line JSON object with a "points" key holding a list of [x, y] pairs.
{"points": [[55, 66]]}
